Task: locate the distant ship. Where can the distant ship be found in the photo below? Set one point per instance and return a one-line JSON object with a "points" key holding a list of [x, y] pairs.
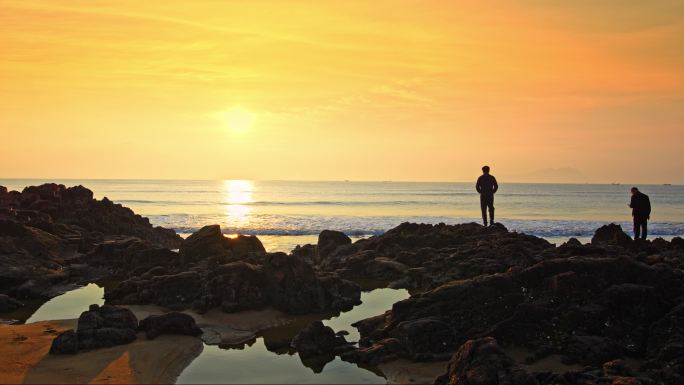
{"points": [[615, 184], [667, 184]]}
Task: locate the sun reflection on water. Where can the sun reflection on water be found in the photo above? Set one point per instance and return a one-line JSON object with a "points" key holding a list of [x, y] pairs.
{"points": [[238, 196]]}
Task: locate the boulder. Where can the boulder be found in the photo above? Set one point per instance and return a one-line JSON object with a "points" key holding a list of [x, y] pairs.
{"points": [[8, 303], [483, 362], [306, 253], [282, 281], [169, 323], [295, 288], [66, 342], [210, 243], [423, 256], [328, 242], [317, 339], [611, 234], [104, 326], [174, 290], [130, 256], [588, 310]]}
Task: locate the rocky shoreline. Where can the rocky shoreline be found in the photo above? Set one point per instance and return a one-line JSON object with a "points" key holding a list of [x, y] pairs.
{"points": [[611, 311]]}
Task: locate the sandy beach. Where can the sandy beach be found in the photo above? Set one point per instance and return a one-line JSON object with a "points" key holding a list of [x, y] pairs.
{"points": [[24, 358]]}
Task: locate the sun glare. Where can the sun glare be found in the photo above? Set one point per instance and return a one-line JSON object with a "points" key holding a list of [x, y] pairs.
{"points": [[238, 196], [238, 119]]}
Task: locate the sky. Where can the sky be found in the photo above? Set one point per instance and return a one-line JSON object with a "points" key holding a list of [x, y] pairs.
{"points": [[542, 91]]}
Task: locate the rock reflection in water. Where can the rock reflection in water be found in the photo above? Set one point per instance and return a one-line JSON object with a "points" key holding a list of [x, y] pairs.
{"points": [[269, 359]]}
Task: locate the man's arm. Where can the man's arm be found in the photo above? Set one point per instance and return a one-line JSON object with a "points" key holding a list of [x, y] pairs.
{"points": [[631, 202], [496, 185], [648, 207], [478, 187]]}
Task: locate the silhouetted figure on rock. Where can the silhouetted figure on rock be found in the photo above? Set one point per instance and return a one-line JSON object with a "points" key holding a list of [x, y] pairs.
{"points": [[641, 212], [487, 187]]}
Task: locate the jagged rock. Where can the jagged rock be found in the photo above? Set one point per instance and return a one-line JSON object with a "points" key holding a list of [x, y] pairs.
{"points": [[425, 338], [616, 368], [27, 253], [283, 281], [306, 253], [8, 303], [175, 291], [75, 207], [328, 242], [483, 362], [425, 256], [209, 242], [169, 323], [293, 284], [589, 310], [44, 228], [131, 256], [611, 234], [317, 339], [65, 343], [104, 326]]}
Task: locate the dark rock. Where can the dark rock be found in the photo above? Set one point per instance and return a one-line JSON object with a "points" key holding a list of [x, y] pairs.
{"points": [[295, 288], [169, 323], [616, 368], [483, 362], [425, 336], [572, 242], [176, 291], [28, 253], [611, 234], [316, 339], [65, 343], [105, 337], [210, 243], [282, 281], [104, 326], [426, 256], [591, 310], [328, 242], [130, 255], [45, 228], [8, 303], [306, 253]]}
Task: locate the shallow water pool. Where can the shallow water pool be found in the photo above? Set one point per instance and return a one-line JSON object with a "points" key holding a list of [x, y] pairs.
{"points": [[70, 304], [255, 363]]}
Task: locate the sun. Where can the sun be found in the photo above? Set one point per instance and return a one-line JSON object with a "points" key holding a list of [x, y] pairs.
{"points": [[238, 119]]}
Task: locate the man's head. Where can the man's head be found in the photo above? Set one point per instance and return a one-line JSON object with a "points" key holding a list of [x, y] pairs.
{"points": [[634, 190], [485, 169]]}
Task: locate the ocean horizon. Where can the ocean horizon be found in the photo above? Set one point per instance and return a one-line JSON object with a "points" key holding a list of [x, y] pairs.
{"points": [[284, 214]]}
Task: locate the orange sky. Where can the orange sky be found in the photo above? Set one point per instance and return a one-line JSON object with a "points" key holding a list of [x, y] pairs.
{"points": [[360, 90]]}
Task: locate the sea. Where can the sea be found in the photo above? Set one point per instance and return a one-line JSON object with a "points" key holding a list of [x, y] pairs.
{"points": [[284, 214]]}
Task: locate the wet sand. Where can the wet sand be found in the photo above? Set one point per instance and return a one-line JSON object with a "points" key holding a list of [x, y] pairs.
{"points": [[230, 329], [24, 358]]}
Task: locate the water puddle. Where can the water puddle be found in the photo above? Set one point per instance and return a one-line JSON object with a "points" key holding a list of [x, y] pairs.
{"points": [[267, 360], [70, 304]]}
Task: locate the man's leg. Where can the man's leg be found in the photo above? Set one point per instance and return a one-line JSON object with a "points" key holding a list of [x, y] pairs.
{"points": [[483, 207], [644, 229], [491, 211], [637, 228]]}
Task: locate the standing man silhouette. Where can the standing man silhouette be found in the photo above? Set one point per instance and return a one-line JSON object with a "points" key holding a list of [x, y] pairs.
{"points": [[486, 185], [641, 213]]}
